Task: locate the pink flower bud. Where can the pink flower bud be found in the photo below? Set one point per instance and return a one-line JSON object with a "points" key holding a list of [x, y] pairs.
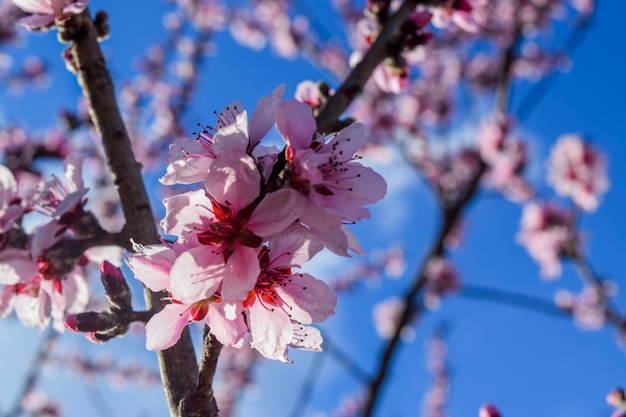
{"points": [[89, 322], [617, 398], [488, 410], [115, 286]]}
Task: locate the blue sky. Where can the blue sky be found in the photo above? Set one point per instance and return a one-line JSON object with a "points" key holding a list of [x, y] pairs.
{"points": [[526, 363]]}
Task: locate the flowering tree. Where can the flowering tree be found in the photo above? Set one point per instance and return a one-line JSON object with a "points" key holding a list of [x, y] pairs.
{"points": [[223, 227]]}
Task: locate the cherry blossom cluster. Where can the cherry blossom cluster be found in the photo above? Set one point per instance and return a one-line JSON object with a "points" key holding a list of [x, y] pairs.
{"points": [[42, 273], [576, 170], [260, 213], [436, 397]]}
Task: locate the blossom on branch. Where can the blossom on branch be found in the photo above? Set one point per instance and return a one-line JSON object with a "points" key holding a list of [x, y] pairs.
{"points": [[547, 232], [260, 213], [45, 12], [577, 170]]}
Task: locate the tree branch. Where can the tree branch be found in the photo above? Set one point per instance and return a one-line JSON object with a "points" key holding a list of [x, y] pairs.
{"points": [[353, 85], [451, 214], [201, 403], [177, 364]]}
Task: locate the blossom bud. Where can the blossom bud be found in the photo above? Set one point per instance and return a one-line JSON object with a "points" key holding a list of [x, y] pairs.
{"points": [[617, 398], [89, 322], [488, 410], [115, 286]]}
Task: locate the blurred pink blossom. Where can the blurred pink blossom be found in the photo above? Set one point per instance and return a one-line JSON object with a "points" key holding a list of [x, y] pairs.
{"points": [[577, 170]]}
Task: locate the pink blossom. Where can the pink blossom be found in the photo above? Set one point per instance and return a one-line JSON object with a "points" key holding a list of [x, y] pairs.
{"points": [[577, 170], [228, 224], [189, 160], [488, 410], [387, 315], [459, 12], [441, 278], [547, 233], [308, 92], [589, 307], [37, 292], [11, 204], [64, 200], [282, 301], [155, 267], [325, 170], [44, 12]]}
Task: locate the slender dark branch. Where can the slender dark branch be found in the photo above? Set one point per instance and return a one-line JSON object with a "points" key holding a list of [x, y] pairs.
{"points": [[353, 85], [306, 390], [537, 92], [201, 402], [178, 364], [451, 214], [513, 299]]}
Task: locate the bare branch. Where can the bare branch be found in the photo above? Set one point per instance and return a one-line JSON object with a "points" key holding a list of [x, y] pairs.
{"points": [[177, 364]]}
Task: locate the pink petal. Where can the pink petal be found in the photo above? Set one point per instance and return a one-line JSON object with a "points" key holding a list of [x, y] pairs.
{"points": [[184, 212], [240, 274], [152, 266], [228, 332], [72, 167], [196, 275], [233, 136], [296, 123], [187, 171], [310, 299], [306, 338], [276, 212], [293, 247], [270, 331], [34, 6], [16, 266], [263, 116], [233, 179], [37, 21], [76, 6], [164, 328]]}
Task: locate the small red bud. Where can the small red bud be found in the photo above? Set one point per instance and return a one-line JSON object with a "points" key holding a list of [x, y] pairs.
{"points": [[115, 286], [89, 322], [488, 410]]}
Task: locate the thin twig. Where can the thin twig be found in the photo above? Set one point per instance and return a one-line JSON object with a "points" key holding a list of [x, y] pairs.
{"points": [[538, 90], [354, 83], [513, 299], [452, 213]]}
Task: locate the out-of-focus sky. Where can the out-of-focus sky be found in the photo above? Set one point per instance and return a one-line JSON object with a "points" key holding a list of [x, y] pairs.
{"points": [[526, 363]]}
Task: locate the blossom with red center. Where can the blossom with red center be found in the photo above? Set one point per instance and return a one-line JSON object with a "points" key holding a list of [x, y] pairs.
{"points": [[45, 12], [325, 169], [37, 292], [577, 170], [282, 301], [229, 224], [64, 201], [156, 267]]}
